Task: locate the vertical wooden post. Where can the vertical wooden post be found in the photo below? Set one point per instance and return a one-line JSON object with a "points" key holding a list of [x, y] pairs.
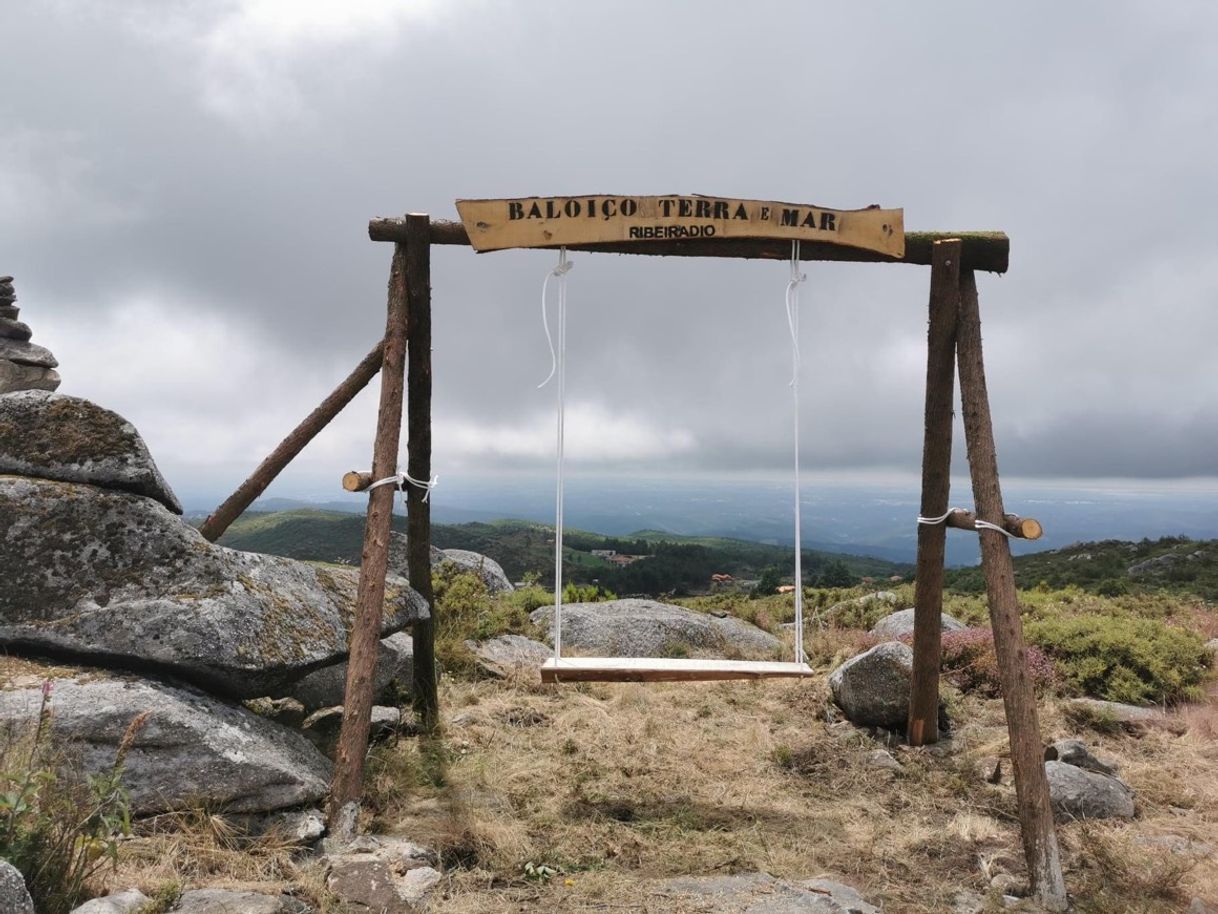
{"points": [[936, 480], [1023, 727], [418, 404], [374, 560]]}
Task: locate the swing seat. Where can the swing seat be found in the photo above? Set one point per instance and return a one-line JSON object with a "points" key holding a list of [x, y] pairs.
{"points": [[662, 669]]}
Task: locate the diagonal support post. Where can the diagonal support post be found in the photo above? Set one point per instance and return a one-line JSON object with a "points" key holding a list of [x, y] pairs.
{"points": [[1023, 726]]}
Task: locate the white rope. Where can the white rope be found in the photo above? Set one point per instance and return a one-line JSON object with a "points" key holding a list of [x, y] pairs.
{"points": [[940, 519], [558, 365], [400, 479], [792, 299], [978, 524], [986, 525]]}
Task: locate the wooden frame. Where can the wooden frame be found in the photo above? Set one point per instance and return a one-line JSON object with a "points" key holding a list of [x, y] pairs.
{"points": [[954, 337]]}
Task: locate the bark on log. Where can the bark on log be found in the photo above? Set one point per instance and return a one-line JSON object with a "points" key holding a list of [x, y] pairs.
{"points": [[1024, 528], [923, 724], [987, 251], [355, 481], [1023, 726], [370, 594], [418, 465], [233, 507]]}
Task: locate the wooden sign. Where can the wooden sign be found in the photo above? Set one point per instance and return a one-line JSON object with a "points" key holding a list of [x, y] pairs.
{"points": [[537, 222]]}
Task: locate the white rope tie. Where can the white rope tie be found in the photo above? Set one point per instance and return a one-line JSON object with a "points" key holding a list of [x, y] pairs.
{"points": [[400, 479], [792, 301], [558, 366], [979, 524]]}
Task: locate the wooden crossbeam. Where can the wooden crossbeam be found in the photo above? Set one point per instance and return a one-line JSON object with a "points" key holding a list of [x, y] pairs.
{"points": [[986, 251]]}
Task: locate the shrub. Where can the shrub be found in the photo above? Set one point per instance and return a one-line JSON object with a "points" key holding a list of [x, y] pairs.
{"points": [[1123, 658], [586, 593], [58, 828], [971, 663]]}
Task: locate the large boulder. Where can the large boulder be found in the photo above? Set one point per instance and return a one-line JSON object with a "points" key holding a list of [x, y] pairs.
{"points": [[191, 749], [900, 624], [116, 577], [872, 688], [1077, 793], [488, 569], [53, 436], [327, 686], [645, 628], [508, 655], [14, 897]]}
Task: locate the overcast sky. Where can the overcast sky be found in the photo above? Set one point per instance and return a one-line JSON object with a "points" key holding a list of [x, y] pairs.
{"points": [[185, 189]]}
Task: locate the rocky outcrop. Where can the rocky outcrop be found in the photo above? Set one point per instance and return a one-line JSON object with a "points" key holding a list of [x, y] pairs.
{"points": [[509, 655], [1077, 793], [872, 688], [116, 577], [14, 897], [23, 365], [759, 893], [52, 436], [191, 747], [900, 624], [645, 628], [327, 686]]}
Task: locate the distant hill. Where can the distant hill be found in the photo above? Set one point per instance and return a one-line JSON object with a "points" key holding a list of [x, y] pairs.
{"points": [[1113, 567], [672, 563]]}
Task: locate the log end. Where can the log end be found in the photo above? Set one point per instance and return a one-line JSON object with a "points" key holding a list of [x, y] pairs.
{"points": [[354, 481]]}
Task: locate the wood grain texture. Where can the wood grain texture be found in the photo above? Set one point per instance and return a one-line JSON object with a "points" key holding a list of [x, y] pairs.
{"points": [[1023, 725], [986, 251], [418, 465], [1024, 528], [658, 669], [539, 222], [923, 725], [374, 560]]}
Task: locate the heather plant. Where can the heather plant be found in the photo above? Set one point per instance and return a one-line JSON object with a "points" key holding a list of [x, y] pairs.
{"points": [[58, 828], [971, 663]]}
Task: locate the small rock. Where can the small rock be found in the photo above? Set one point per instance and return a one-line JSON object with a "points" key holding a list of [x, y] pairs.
{"points": [[8, 310], [381, 875], [900, 624], [286, 711], [881, 758], [872, 688], [127, 902], [1008, 884], [1131, 716], [15, 330], [25, 353], [509, 655], [1080, 794], [14, 898], [965, 902], [1197, 906], [299, 827], [1074, 752], [1212, 645], [14, 377], [221, 901], [759, 893], [322, 727]]}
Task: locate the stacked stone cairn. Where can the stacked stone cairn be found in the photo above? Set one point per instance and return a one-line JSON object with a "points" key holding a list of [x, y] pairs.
{"points": [[23, 365]]}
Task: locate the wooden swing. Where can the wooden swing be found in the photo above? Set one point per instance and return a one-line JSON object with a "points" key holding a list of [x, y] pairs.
{"points": [[661, 669]]}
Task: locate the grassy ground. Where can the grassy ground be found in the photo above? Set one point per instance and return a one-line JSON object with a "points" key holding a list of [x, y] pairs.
{"points": [[578, 798]]}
